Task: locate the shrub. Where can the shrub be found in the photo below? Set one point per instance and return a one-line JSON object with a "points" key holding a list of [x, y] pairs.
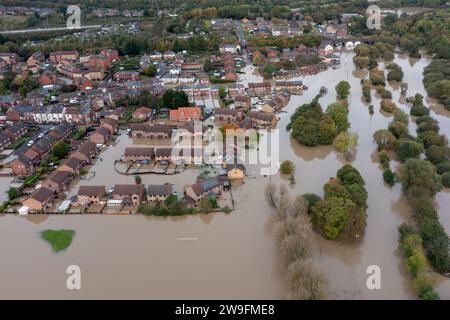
{"points": [[443, 167], [388, 106], [384, 159], [311, 199], [349, 175], [406, 149], [437, 154], [398, 129], [389, 176], [446, 179], [343, 89], [287, 167], [401, 116]]}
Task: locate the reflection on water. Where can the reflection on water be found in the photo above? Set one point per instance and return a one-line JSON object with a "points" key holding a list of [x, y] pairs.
{"points": [[235, 255]]}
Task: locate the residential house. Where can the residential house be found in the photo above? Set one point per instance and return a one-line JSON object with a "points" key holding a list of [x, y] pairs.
{"points": [[39, 200], [205, 188], [58, 181], [22, 166], [262, 120], [142, 113], [155, 132], [242, 102], [130, 194], [4, 141], [235, 171], [226, 115], [158, 192], [88, 195], [60, 132], [43, 146], [57, 57], [15, 131], [291, 86], [72, 165], [10, 58], [138, 154], [111, 125], [186, 114], [257, 89], [123, 76], [232, 48], [101, 135], [86, 152]]}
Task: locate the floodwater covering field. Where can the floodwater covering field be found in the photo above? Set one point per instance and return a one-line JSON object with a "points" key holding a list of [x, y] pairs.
{"points": [[220, 256]]}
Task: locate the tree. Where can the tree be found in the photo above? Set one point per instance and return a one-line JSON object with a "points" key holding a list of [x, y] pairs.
{"points": [[395, 72], [401, 116], [13, 193], [349, 175], [418, 109], [346, 144], [137, 179], [384, 139], [343, 89], [151, 70], [222, 92], [398, 129], [270, 193], [287, 167], [60, 149], [437, 154], [389, 176], [204, 205], [419, 178], [174, 99], [305, 281], [406, 149], [388, 106], [331, 215], [339, 114]]}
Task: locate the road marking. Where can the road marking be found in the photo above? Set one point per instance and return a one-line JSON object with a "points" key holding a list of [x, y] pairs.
{"points": [[188, 239]]}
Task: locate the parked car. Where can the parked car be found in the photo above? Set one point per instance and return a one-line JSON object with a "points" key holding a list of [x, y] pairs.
{"points": [[30, 143]]}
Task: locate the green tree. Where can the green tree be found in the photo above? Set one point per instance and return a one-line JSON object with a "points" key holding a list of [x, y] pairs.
{"points": [[343, 89], [287, 167], [346, 143], [151, 70], [419, 178], [384, 139], [137, 179], [60, 149], [339, 114], [13, 193], [406, 149]]}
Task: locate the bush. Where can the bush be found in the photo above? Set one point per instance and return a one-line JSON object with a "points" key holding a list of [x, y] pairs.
{"points": [[287, 167], [398, 129], [446, 179], [311, 199], [349, 175], [388, 106], [401, 116], [443, 167], [406, 149], [384, 159], [437, 154], [389, 176], [343, 89]]}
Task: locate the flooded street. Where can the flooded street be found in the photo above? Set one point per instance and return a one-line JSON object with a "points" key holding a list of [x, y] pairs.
{"points": [[236, 255]]}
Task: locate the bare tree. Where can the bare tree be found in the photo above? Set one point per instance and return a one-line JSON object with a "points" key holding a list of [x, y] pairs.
{"points": [[283, 205], [299, 207], [305, 281], [270, 193], [293, 248]]}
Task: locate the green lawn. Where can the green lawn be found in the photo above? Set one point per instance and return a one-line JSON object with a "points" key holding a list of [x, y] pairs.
{"points": [[58, 239], [19, 142]]}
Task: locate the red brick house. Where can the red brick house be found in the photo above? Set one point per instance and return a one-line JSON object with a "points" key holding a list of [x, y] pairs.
{"points": [[187, 114], [101, 135]]}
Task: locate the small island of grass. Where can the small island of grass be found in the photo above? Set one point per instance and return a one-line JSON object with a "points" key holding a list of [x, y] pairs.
{"points": [[58, 239]]}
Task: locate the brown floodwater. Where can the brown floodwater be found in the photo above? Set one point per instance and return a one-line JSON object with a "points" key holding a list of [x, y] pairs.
{"points": [[226, 255]]}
